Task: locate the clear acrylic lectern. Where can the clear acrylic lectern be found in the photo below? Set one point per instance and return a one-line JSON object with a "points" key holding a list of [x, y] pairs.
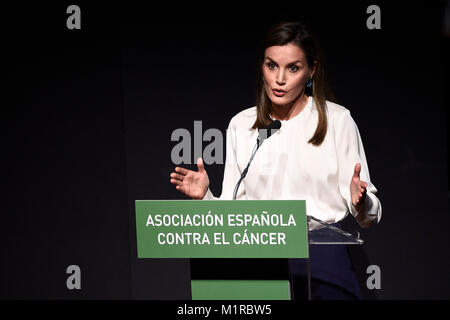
{"points": [[322, 233]]}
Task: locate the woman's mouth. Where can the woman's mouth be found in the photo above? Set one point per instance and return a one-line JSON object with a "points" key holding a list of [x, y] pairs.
{"points": [[279, 93]]}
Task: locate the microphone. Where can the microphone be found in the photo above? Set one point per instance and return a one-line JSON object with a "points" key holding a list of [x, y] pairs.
{"points": [[263, 135], [267, 131]]}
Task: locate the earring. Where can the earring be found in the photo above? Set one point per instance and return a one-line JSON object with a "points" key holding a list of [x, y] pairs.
{"points": [[309, 87], [263, 79]]}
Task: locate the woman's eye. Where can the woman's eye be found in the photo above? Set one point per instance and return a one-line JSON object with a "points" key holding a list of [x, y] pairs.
{"points": [[271, 65], [294, 68]]}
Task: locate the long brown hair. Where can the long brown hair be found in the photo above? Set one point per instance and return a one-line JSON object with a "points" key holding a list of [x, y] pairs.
{"points": [[295, 33]]}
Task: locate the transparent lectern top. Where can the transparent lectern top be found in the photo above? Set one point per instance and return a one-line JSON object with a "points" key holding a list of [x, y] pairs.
{"points": [[330, 234]]}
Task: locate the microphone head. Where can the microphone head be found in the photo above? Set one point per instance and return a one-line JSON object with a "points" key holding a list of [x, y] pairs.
{"points": [[268, 130], [275, 124]]}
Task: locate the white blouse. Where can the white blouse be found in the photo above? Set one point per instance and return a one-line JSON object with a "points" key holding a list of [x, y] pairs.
{"points": [[287, 167]]}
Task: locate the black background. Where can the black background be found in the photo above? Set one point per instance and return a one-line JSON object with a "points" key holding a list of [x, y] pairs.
{"points": [[87, 117]]}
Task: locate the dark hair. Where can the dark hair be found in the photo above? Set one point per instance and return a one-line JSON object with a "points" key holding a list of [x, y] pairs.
{"points": [[295, 33]]}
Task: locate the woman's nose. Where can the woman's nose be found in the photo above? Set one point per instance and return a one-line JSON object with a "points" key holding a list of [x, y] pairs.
{"points": [[280, 78]]}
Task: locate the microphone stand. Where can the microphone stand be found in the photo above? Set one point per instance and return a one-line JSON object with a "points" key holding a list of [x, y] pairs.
{"points": [[244, 173], [275, 125]]}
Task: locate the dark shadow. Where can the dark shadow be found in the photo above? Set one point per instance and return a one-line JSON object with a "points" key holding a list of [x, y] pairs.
{"points": [[358, 258]]}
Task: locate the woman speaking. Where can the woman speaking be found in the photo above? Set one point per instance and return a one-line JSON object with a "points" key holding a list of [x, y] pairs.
{"points": [[316, 155]]}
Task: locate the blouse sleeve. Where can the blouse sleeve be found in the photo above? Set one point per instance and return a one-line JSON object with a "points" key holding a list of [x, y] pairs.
{"points": [[231, 173], [350, 151]]}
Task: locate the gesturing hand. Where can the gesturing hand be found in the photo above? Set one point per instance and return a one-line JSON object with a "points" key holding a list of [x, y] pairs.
{"points": [[192, 183], [358, 189]]}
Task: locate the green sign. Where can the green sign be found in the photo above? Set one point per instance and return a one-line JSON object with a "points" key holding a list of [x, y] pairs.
{"points": [[240, 290], [221, 229]]}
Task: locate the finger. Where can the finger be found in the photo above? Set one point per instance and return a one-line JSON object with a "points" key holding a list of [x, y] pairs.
{"points": [[357, 197], [177, 182], [181, 188], [200, 165], [363, 186], [176, 176], [182, 171], [357, 170]]}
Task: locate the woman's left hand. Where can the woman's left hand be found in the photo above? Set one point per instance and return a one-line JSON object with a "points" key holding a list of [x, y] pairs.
{"points": [[358, 189]]}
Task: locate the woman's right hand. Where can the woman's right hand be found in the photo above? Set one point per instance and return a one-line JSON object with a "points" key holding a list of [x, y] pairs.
{"points": [[194, 184]]}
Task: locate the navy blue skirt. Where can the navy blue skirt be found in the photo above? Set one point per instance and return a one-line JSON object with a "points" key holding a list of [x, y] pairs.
{"points": [[332, 274]]}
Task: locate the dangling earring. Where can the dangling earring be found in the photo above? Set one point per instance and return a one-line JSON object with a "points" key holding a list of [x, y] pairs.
{"points": [[263, 79], [309, 87]]}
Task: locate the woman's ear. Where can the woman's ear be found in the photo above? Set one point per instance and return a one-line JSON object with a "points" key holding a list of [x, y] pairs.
{"points": [[313, 69]]}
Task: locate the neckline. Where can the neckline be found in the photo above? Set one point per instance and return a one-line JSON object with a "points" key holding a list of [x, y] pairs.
{"points": [[306, 108]]}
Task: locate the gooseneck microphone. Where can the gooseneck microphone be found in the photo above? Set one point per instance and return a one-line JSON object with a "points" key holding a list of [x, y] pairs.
{"points": [[263, 135]]}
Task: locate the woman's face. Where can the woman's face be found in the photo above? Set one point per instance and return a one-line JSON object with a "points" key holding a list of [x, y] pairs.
{"points": [[285, 71]]}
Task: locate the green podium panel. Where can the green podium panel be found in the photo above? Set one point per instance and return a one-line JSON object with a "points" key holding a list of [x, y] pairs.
{"points": [[270, 229], [221, 229], [240, 290]]}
